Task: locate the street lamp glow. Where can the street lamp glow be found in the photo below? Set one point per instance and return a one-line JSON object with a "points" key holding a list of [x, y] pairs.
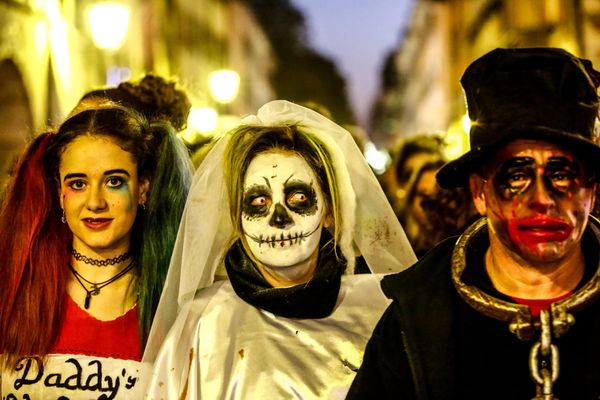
{"points": [[202, 119], [108, 23], [466, 123], [224, 85], [377, 159]]}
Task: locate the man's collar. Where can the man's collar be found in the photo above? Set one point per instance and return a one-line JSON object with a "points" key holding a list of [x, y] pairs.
{"points": [[476, 289]]}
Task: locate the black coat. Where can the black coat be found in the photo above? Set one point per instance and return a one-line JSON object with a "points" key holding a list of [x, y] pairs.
{"points": [[430, 344]]}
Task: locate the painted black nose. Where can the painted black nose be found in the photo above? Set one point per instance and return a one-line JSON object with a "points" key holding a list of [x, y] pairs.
{"points": [[280, 217]]}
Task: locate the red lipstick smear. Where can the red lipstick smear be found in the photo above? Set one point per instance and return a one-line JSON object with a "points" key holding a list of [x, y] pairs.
{"points": [[97, 223], [536, 230]]}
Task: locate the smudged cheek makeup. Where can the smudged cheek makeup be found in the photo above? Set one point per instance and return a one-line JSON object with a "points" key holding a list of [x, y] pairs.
{"points": [[529, 227]]}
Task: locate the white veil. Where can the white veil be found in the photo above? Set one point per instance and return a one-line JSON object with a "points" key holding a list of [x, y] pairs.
{"points": [[206, 233]]}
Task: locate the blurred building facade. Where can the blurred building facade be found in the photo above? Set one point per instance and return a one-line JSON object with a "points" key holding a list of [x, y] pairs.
{"points": [[421, 89], [48, 58]]}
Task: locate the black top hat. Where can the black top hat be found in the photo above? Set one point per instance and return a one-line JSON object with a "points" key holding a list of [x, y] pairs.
{"points": [[534, 93]]}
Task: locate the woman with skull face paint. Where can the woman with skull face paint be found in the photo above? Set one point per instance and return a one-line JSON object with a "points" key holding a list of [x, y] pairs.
{"points": [[290, 205], [87, 230]]}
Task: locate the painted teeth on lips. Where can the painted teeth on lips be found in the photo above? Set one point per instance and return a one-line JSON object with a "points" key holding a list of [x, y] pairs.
{"points": [[290, 239]]}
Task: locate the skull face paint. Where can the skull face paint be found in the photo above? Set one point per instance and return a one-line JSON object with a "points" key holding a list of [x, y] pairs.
{"points": [[538, 198], [283, 209]]}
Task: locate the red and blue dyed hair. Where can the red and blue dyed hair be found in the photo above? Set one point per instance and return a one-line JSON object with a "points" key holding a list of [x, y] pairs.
{"points": [[35, 244], [34, 253]]}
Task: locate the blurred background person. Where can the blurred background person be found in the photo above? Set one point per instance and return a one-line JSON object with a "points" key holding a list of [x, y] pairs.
{"points": [[409, 179], [156, 98], [412, 216], [407, 157], [448, 212], [153, 96], [427, 212]]}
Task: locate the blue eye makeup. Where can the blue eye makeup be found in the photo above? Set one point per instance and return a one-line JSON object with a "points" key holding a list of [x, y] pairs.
{"points": [[115, 182]]}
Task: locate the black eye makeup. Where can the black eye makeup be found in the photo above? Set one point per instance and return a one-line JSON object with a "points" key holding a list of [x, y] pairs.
{"points": [[562, 173], [257, 201], [300, 197], [517, 175]]}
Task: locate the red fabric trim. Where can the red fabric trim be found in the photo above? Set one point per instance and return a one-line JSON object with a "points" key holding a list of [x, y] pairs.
{"points": [[536, 305], [81, 333]]}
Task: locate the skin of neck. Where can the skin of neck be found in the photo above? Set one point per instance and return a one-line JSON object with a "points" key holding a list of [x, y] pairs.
{"points": [[514, 276], [116, 298], [281, 277]]}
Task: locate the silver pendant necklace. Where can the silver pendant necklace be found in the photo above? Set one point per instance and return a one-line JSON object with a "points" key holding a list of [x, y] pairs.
{"points": [[95, 287]]}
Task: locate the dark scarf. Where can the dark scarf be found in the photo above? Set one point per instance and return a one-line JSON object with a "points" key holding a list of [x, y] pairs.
{"points": [[314, 299]]}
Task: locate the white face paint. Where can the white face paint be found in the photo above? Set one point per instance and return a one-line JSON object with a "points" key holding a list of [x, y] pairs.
{"points": [[283, 209]]}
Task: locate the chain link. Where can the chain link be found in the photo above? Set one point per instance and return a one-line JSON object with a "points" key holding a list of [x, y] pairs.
{"points": [[544, 360]]}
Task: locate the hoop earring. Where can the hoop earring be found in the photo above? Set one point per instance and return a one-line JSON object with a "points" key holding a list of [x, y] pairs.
{"points": [[63, 219]]}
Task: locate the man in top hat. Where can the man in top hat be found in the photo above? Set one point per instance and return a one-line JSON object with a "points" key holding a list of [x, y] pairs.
{"points": [[510, 309]]}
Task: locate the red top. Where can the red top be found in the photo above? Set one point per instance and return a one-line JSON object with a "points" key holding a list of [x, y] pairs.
{"points": [[81, 333], [537, 305]]}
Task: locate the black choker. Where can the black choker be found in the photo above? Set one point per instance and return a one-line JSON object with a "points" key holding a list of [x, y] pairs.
{"points": [[100, 263], [94, 289], [314, 299]]}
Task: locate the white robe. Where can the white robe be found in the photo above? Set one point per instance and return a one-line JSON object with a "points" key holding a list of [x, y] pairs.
{"points": [[229, 349]]}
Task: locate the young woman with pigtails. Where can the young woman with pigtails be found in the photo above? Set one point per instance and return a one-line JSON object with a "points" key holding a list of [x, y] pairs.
{"points": [[86, 233]]}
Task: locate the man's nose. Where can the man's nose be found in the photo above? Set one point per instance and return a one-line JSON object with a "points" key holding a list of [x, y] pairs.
{"points": [[541, 198]]}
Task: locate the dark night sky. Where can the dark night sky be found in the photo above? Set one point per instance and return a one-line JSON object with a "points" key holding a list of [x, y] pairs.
{"points": [[357, 35]]}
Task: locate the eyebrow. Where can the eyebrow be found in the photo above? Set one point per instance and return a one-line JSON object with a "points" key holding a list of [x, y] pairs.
{"points": [[256, 189], [521, 161], [267, 182], [109, 172], [517, 162], [289, 177], [561, 159]]}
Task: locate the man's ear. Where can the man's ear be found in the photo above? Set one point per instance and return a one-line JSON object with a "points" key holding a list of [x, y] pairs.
{"points": [[144, 190], [476, 185]]}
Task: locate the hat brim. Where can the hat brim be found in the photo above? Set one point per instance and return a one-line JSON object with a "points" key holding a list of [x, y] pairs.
{"points": [[456, 173]]}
